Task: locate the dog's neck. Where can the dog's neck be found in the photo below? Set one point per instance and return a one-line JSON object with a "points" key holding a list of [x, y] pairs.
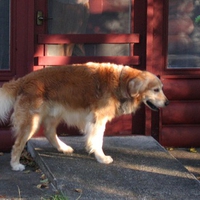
{"points": [[123, 91]]}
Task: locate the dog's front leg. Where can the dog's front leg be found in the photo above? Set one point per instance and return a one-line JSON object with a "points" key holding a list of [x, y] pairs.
{"points": [[50, 124], [94, 141], [101, 157]]}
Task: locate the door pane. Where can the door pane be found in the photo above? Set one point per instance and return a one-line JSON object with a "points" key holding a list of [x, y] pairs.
{"points": [[4, 34], [184, 34], [89, 17]]}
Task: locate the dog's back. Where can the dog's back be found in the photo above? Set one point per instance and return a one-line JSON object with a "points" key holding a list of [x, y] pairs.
{"points": [[79, 85]]}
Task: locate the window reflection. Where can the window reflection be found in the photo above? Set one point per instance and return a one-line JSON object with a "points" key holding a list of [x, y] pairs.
{"points": [[89, 17], [184, 34]]}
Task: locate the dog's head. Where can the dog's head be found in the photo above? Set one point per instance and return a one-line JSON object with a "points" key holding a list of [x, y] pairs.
{"points": [[148, 88]]}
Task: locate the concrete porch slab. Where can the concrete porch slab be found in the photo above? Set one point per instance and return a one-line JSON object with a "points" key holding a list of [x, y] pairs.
{"points": [[142, 169]]}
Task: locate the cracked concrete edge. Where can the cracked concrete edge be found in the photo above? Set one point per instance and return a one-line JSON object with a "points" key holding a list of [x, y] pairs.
{"points": [[43, 166]]}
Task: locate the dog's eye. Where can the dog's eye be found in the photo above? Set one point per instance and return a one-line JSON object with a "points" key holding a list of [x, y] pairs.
{"points": [[156, 90]]}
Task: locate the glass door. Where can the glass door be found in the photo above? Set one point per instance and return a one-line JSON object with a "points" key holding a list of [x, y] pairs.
{"points": [[82, 17], [100, 31], [79, 31]]}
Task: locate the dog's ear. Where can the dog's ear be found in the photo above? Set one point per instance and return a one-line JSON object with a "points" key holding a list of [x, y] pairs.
{"points": [[137, 85]]}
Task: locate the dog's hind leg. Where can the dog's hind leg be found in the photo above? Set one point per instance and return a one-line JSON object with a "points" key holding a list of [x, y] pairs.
{"points": [[26, 121], [94, 141], [50, 124], [24, 131]]}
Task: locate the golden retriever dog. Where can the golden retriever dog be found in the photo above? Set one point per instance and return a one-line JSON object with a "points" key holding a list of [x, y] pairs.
{"points": [[82, 95]]}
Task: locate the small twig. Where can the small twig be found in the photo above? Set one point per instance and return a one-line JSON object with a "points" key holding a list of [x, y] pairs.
{"points": [[19, 192]]}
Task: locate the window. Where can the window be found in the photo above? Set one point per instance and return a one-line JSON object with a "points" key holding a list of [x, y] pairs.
{"points": [[184, 34], [4, 34]]}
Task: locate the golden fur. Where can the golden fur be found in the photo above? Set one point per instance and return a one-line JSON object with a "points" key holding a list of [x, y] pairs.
{"points": [[84, 95]]}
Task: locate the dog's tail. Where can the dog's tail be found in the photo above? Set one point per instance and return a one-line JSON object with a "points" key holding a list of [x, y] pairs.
{"points": [[8, 94]]}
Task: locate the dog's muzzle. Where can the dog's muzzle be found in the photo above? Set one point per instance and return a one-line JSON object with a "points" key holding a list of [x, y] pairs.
{"points": [[154, 107], [167, 102]]}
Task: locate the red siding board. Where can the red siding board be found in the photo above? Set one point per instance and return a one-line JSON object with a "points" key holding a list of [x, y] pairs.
{"points": [[180, 121], [184, 136], [181, 113], [182, 89]]}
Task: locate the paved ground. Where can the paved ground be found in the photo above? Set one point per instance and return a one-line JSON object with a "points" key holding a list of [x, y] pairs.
{"points": [[190, 158], [21, 185], [142, 170]]}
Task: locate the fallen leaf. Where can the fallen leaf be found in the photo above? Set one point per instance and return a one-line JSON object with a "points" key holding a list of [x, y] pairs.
{"points": [[78, 190], [45, 185], [27, 171], [44, 181], [38, 170], [193, 150], [43, 176], [41, 186], [170, 148]]}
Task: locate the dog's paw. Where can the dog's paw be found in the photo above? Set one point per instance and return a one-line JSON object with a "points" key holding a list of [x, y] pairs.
{"points": [[105, 160], [17, 167], [67, 150]]}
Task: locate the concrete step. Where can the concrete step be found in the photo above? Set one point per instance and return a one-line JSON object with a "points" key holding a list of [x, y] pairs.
{"points": [[142, 170]]}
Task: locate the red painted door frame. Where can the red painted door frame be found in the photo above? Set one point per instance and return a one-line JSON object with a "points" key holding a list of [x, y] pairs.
{"points": [[21, 39], [21, 54]]}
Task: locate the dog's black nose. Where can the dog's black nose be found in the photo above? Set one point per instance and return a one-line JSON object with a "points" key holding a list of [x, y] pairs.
{"points": [[166, 102]]}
